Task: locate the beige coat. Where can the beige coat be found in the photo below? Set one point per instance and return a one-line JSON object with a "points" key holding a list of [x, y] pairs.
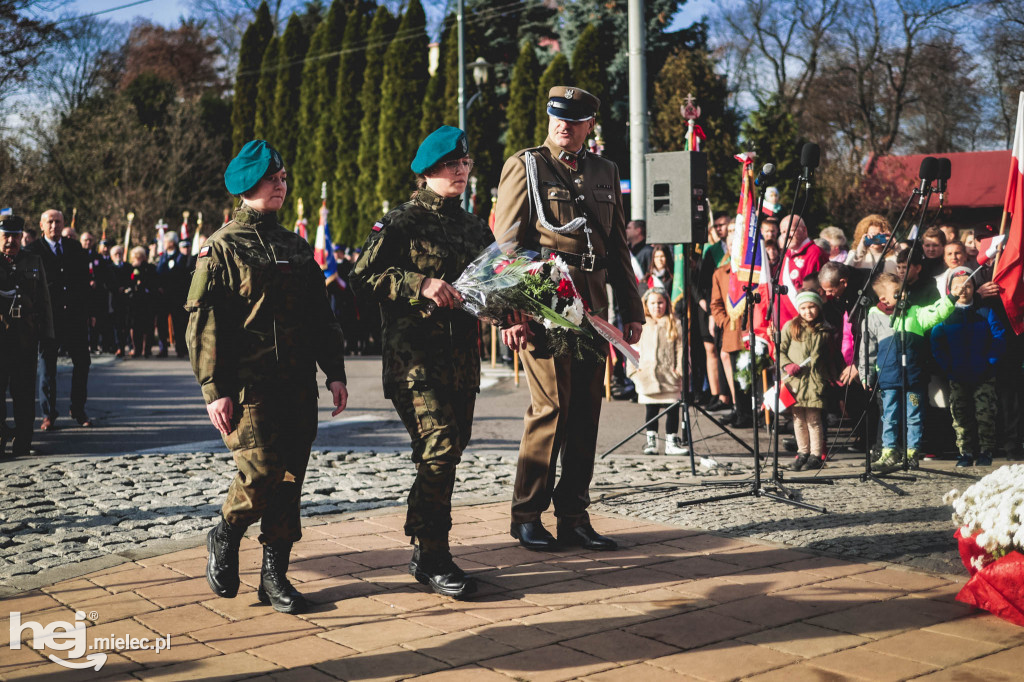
{"points": [[659, 377]]}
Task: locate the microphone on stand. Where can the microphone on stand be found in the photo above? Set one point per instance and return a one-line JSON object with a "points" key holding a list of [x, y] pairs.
{"points": [[944, 171], [928, 172], [810, 156], [765, 176]]}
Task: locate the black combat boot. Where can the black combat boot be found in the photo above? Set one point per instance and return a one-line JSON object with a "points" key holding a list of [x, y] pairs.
{"points": [[274, 586], [437, 570], [222, 568]]}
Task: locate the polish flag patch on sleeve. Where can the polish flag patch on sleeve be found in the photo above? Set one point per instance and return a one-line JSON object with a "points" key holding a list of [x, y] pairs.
{"points": [[378, 226], [205, 251]]}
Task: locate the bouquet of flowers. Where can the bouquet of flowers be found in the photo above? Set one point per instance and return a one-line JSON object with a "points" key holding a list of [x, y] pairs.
{"points": [[991, 539], [763, 361], [502, 281]]}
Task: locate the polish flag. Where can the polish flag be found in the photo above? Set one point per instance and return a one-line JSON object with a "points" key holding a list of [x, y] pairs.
{"points": [[1009, 270], [988, 248], [320, 245]]}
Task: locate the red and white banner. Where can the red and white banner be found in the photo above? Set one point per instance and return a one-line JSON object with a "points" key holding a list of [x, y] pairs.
{"points": [[1009, 270]]}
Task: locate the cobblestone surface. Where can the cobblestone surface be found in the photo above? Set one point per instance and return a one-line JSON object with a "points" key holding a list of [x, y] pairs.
{"points": [[58, 513]]}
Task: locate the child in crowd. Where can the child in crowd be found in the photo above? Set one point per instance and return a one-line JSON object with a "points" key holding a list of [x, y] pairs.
{"points": [[808, 363], [659, 378], [885, 335], [967, 346]]}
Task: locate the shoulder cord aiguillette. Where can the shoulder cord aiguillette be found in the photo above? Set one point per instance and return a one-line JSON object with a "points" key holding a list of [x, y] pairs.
{"points": [[532, 189]]}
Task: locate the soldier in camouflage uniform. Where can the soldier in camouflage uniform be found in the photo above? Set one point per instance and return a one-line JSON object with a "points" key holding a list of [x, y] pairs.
{"points": [[259, 324], [25, 319], [431, 352]]}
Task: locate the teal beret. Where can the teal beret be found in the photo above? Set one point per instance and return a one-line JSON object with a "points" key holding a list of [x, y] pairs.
{"points": [[444, 144], [255, 160], [11, 223]]}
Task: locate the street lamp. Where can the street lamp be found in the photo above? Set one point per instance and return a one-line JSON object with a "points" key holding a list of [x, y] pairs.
{"points": [[481, 69]]}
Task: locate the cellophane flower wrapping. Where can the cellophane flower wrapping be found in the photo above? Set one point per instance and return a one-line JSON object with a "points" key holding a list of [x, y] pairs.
{"points": [[990, 540], [742, 374], [502, 280]]}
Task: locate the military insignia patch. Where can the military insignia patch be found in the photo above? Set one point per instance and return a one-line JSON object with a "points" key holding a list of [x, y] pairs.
{"points": [[205, 251], [378, 226]]}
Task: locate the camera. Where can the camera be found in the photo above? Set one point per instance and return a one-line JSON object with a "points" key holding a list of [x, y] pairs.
{"points": [[879, 238]]}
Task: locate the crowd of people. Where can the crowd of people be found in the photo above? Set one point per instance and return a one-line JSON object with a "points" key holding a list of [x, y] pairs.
{"points": [[927, 300]]}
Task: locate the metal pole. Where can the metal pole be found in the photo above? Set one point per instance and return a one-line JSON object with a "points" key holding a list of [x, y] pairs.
{"points": [[460, 17], [637, 112]]}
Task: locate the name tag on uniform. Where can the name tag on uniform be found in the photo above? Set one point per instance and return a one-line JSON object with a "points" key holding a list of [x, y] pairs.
{"points": [[284, 266]]}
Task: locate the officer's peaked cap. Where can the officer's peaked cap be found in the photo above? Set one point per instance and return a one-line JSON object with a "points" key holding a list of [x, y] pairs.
{"points": [[255, 160], [444, 144], [11, 223], [572, 104]]}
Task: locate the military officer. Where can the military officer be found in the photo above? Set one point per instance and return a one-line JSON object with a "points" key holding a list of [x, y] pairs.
{"points": [[259, 323], [430, 348], [25, 319], [560, 199]]}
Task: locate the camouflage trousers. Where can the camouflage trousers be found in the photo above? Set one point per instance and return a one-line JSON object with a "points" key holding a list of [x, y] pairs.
{"points": [[270, 444], [974, 408], [440, 423]]}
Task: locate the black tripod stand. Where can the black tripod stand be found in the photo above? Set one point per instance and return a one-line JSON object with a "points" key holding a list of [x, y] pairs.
{"points": [[682, 401], [773, 488]]}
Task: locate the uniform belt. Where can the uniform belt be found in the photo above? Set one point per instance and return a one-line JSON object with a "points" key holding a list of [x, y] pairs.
{"points": [[585, 262]]}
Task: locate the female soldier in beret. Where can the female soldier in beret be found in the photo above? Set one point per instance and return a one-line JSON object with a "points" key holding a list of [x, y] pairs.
{"points": [[259, 324], [431, 356]]}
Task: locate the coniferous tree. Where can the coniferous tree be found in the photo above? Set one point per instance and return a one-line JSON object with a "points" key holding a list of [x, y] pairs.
{"points": [[286, 101], [348, 114], [557, 73], [404, 83], [381, 31], [449, 61], [263, 129], [692, 72], [522, 102], [303, 173], [435, 102], [772, 132], [323, 150], [485, 145], [250, 58]]}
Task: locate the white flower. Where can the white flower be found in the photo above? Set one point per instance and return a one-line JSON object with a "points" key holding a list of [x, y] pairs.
{"points": [[992, 509], [574, 312]]}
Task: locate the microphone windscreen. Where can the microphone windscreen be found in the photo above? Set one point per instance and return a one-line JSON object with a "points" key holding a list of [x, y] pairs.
{"points": [[945, 169], [768, 170], [929, 168], [810, 155]]}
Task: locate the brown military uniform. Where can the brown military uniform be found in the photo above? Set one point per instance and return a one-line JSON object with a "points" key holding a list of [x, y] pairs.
{"points": [[565, 393], [259, 324]]}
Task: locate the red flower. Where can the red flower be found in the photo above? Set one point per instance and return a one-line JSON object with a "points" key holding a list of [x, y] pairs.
{"points": [[500, 266], [566, 289]]}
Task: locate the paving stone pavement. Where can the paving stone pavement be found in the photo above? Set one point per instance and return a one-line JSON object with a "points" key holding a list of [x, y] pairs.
{"points": [[76, 514], [672, 604]]}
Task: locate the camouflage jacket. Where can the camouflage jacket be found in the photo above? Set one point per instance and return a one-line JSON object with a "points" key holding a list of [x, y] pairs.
{"points": [[259, 318], [25, 301], [427, 236]]}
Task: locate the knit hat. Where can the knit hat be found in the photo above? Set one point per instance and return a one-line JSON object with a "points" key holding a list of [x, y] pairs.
{"points": [[958, 271], [809, 297]]}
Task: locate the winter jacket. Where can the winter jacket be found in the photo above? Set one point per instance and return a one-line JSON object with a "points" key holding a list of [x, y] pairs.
{"points": [[884, 337], [815, 342], [660, 374], [969, 344]]}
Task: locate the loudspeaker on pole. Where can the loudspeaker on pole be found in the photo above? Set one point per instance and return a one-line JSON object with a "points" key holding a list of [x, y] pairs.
{"points": [[677, 188]]}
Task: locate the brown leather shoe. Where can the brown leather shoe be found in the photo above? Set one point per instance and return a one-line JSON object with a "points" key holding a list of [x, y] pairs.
{"points": [[82, 418], [46, 425]]}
